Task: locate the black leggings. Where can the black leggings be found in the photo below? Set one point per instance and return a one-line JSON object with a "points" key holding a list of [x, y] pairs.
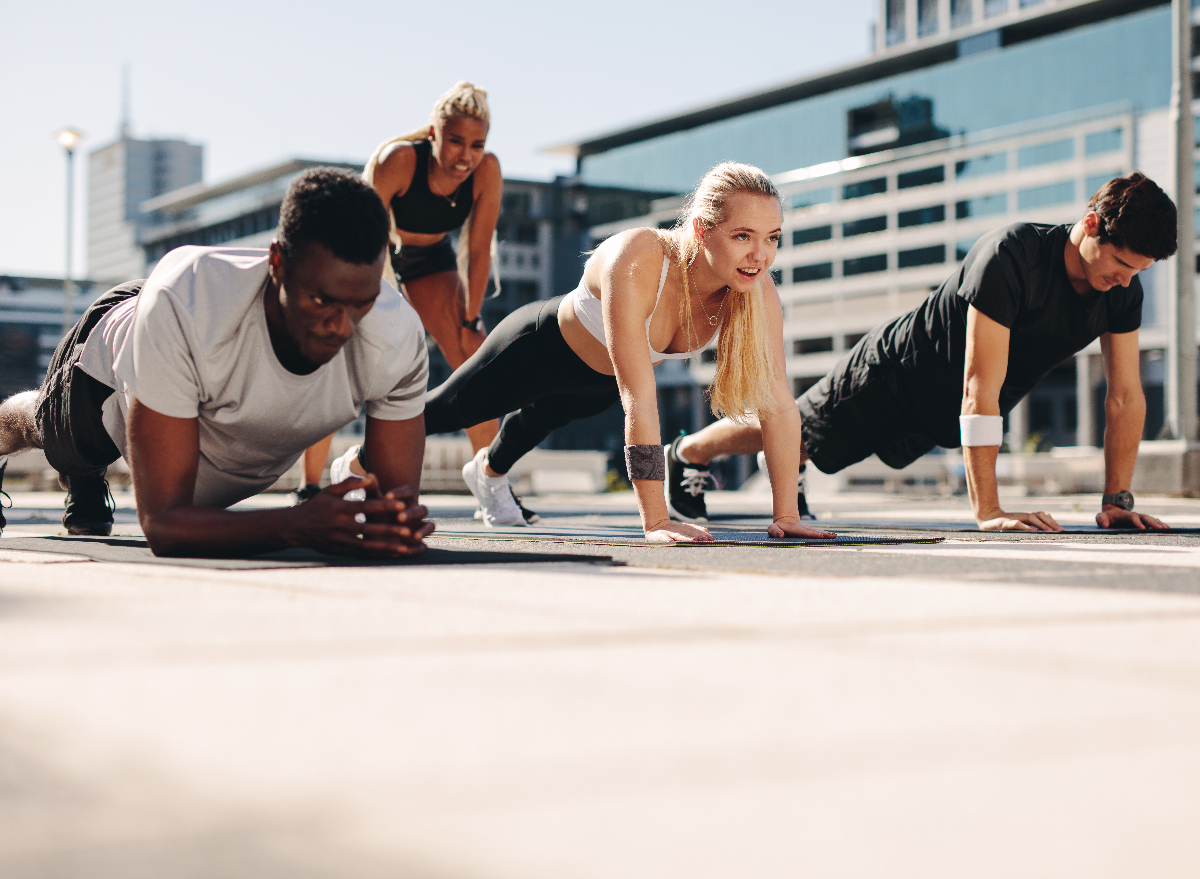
{"points": [[527, 369]]}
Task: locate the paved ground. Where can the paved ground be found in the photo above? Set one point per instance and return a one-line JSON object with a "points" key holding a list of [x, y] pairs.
{"points": [[990, 705]]}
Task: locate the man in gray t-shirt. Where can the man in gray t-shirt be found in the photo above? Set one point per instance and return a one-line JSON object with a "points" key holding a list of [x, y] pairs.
{"points": [[213, 375]]}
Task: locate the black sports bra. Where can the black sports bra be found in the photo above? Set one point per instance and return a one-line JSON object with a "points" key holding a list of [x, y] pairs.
{"points": [[419, 210]]}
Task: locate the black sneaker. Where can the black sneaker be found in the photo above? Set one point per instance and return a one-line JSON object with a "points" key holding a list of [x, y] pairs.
{"points": [[686, 484], [3, 494], [801, 500], [305, 493], [89, 505], [530, 516]]}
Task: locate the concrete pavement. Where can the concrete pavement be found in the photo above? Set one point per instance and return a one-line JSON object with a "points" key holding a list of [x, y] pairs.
{"points": [[987, 706]]}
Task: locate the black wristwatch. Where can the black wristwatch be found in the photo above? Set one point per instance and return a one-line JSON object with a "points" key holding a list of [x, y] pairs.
{"points": [[1122, 499], [475, 324]]}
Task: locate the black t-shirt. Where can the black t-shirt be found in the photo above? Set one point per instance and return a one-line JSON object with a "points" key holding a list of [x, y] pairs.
{"points": [[1017, 276]]}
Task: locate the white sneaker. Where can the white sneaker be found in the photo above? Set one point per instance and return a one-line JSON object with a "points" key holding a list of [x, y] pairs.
{"points": [[340, 470], [493, 493]]}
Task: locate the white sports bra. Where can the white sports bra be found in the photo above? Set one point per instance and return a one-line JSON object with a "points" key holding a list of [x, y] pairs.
{"points": [[590, 312]]}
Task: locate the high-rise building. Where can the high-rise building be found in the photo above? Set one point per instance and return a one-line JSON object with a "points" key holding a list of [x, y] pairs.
{"points": [[121, 176]]}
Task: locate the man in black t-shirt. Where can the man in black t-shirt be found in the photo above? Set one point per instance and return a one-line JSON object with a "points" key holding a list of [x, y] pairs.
{"points": [[1027, 297]]}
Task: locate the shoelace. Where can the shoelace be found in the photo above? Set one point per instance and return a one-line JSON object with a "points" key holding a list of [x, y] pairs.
{"points": [[694, 481]]}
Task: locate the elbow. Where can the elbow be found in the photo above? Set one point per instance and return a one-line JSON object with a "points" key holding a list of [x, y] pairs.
{"points": [[1125, 402]]}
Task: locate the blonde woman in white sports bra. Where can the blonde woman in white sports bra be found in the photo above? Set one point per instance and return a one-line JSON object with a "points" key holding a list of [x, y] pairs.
{"points": [[646, 295]]}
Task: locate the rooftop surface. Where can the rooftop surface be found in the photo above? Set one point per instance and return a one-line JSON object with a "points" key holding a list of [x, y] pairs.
{"points": [[987, 705]]}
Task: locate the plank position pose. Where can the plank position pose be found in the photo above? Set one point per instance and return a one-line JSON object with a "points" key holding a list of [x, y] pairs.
{"points": [[1026, 297], [646, 295], [214, 374], [436, 180]]}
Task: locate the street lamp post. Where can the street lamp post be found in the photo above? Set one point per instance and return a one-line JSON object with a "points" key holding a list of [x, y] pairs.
{"points": [[69, 139]]}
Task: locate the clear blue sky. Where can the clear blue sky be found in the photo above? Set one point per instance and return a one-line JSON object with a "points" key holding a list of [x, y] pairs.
{"points": [[257, 82]]}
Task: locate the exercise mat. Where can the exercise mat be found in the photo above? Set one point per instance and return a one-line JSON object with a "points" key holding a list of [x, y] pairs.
{"points": [[136, 550], [622, 537], [966, 528]]}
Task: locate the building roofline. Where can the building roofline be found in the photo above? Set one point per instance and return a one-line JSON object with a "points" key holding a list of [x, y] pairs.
{"points": [[188, 196], [1062, 16]]}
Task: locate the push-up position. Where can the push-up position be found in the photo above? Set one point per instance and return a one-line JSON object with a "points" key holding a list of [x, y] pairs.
{"points": [[1026, 297], [214, 374], [646, 295]]}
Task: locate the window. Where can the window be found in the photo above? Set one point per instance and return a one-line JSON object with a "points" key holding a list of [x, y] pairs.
{"points": [[535, 260], [525, 233], [808, 236], [977, 166], [812, 346], [923, 177], [861, 265], [777, 276], [516, 203], [963, 247], [864, 226], [927, 17], [863, 188], [1041, 196], [921, 216], [922, 256], [812, 197], [984, 206], [1045, 153], [1102, 142], [817, 272], [994, 7], [852, 339], [1092, 184], [803, 383], [960, 13], [524, 292], [895, 22]]}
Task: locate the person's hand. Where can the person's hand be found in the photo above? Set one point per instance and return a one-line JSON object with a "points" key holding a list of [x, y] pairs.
{"points": [[792, 526], [382, 526], [1115, 517], [667, 531], [1002, 521]]}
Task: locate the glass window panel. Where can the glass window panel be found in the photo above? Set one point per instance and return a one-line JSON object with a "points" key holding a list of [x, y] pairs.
{"points": [[895, 22], [927, 17], [812, 197], [994, 7], [984, 206], [977, 166], [923, 177], [1092, 184], [777, 276], [1050, 194], [960, 12], [862, 188], [817, 272], [922, 256], [1102, 142], [812, 346], [1044, 153], [921, 216], [963, 247], [864, 226], [861, 265], [807, 236]]}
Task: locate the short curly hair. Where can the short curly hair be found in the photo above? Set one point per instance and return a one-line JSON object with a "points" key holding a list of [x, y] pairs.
{"points": [[1135, 214], [338, 209]]}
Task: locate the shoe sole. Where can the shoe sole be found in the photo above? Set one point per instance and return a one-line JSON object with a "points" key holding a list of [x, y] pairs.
{"points": [[85, 531], [679, 517], [470, 481]]}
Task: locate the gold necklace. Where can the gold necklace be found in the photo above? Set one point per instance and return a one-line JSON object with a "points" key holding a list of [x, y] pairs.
{"points": [[453, 202], [712, 321]]}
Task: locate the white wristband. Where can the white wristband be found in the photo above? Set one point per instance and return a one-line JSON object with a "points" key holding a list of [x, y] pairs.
{"points": [[981, 430]]}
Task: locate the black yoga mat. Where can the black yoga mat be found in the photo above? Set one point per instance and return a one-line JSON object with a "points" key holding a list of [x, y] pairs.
{"points": [[136, 550]]}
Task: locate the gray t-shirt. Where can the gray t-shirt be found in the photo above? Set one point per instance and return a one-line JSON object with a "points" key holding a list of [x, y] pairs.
{"points": [[194, 344]]}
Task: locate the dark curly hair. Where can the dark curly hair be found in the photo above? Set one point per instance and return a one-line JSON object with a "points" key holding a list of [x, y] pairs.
{"points": [[336, 208], [1135, 214]]}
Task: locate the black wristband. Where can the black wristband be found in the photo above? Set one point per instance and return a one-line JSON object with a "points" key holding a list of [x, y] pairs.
{"points": [[646, 462], [1122, 499], [475, 323]]}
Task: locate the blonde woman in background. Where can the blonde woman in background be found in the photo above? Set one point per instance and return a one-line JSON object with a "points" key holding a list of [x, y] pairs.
{"points": [[646, 295], [436, 180]]}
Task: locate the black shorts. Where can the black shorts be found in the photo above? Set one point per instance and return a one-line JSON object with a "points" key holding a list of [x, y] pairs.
{"points": [[69, 416], [420, 262], [861, 409]]}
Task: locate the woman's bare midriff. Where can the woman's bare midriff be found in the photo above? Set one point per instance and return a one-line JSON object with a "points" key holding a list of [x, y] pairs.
{"points": [[583, 343], [420, 239]]}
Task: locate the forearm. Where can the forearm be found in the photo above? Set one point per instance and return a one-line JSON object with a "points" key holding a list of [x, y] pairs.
{"points": [[781, 445], [1124, 420], [208, 531], [980, 465], [479, 269], [641, 429]]}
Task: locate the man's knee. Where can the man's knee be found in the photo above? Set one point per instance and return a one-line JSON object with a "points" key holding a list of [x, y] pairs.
{"points": [[18, 422]]}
